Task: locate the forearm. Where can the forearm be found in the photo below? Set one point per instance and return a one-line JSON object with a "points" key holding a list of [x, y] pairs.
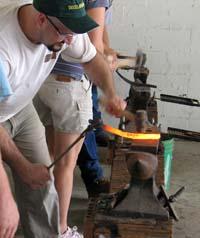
{"points": [[96, 35], [10, 153], [100, 74], [106, 41], [99, 46]]}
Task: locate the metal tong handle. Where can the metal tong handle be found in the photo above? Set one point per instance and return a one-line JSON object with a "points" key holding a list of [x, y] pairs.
{"points": [[93, 124]]}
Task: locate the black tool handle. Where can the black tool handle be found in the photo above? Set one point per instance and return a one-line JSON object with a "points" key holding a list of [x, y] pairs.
{"points": [[173, 198], [180, 100], [66, 151]]}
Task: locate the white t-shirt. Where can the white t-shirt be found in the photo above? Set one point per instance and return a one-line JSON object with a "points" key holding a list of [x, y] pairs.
{"points": [[27, 65]]}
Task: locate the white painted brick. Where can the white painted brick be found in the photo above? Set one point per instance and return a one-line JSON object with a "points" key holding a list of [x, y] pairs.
{"points": [[169, 32], [194, 125], [168, 40]]}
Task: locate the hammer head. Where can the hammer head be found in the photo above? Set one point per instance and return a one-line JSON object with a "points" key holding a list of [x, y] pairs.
{"points": [[141, 74], [141, 58]]}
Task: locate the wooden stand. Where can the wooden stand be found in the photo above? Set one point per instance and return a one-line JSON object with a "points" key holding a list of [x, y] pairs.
{"points": [[99, 226]]}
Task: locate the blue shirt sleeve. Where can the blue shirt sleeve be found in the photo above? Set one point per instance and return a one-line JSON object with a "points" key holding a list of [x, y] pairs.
{"points": [[89, 4], [5, 89], [108, 16]]}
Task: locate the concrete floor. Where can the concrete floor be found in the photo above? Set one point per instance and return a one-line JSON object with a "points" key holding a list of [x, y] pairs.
{"points": [[185, 171], [186, 166]]}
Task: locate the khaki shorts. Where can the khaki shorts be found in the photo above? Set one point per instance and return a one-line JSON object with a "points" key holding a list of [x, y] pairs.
{"points": [[67, 106]]}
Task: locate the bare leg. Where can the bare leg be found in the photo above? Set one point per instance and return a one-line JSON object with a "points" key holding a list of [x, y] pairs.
{"points": [[64, 170], [50, 137]]}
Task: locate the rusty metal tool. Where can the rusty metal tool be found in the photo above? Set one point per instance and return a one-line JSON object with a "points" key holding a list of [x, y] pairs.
{"points": [[126, 62], [183, 134], [92, 125], [167, 201], [176, 195], [131, 62], [131, 135], [133, 83], [137, 64]]}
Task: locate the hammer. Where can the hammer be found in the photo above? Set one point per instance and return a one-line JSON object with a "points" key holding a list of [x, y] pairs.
{"points": [[130, 62], [122, 113]]}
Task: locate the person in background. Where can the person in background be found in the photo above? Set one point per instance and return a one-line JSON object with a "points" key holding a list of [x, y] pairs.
{"points": [[88, 159], [110, 55], [32, 36]]}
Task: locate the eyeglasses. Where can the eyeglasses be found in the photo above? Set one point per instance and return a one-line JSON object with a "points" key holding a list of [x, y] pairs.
{"points": [[56, 28]]}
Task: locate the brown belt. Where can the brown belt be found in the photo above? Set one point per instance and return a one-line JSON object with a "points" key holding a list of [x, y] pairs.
{"points": [[63, 78]]}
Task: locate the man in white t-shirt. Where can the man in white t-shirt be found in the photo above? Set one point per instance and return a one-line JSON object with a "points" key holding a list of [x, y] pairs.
{"points": [[31, 38]]}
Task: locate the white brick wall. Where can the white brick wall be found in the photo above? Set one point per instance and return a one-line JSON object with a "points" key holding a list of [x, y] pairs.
{"points": [[169, 32]]}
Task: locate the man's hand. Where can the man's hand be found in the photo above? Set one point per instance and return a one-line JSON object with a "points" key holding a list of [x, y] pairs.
{"points": [[35, 175], [9, 216], [114, 105]]}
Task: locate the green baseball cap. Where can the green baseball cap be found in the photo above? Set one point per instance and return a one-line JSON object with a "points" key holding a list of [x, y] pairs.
{"points": [[70, 12]]}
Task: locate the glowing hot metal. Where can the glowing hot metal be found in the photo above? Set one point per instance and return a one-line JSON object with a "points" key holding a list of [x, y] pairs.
{"points": [[133, 136]]}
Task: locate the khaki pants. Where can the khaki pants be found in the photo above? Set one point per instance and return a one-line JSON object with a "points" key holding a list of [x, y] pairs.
{"points": [[39, 210]]}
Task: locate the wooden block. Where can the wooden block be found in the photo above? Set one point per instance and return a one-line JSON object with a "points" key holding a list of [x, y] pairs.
{"points": [[89, 219], [119, 174], [134, 228], [97, 225], [160, 170]]}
